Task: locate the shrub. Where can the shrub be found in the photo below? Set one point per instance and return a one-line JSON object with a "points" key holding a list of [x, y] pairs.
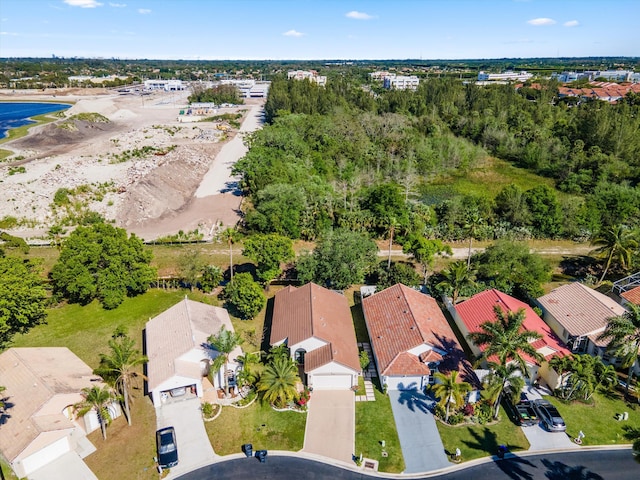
{"points": [[456, 418]]}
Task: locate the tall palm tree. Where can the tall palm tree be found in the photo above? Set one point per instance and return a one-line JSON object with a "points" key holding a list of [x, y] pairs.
{"points": [[224, 342], [122, 368], [624, 335], [473, 227], [507, 339], [450, 391], [501, 379], [457, 276], [279, 380], [616, 243], [582, 375], [230, 235], [98, 399], [250, 371]]}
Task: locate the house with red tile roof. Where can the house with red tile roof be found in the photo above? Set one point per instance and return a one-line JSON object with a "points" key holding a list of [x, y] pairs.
{"points": [[579, 314], [316, 325], [632, 296], [471, 313], [628, 289], [411, 339]]}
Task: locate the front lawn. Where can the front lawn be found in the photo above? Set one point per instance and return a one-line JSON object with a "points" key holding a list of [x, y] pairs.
{"points": [[597, 420], [475, 441], [259, 425]]}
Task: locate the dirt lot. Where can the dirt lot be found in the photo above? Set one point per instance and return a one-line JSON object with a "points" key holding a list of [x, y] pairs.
{"points": [[144, 169]]}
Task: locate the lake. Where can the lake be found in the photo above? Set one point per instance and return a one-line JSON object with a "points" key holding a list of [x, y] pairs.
{"points": [[16, 114]]}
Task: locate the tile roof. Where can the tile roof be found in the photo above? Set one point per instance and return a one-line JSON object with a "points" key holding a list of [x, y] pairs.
{"points": [[603, 90], [580, 310], [406, 363], [34, 377], [479, 309], [399, 319], [312, 311], [176, 331], [632, 296]]}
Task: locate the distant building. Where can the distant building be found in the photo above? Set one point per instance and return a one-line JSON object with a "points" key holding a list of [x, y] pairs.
{"points": [[505, 76], [380, 75], [401, 82], [249, 88], [166, 85], [310, 75], [568, 77]]}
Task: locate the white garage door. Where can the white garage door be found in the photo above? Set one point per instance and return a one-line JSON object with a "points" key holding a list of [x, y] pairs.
{"points": [[404, 383], [46, 455], [331, 382]]}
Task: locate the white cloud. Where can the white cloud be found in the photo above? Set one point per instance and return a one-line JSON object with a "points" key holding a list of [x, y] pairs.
{"points": [[358, 15], [144, 11], [571, 23], [538, 22], [293, 33], [117, 5], [83, 3], [10, 34]]}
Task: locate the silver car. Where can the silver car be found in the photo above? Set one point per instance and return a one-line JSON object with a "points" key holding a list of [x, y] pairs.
{"points": [[551, 418]]}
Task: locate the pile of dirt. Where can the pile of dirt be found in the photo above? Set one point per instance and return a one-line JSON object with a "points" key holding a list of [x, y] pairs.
{"points": [[67, 132]]}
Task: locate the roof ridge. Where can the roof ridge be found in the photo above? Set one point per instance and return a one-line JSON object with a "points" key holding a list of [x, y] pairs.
{"points": [[410, 310], [311, 309]]}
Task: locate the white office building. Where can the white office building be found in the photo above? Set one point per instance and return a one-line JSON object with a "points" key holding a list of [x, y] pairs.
{"points": [[504, 77], [310, 75], [401, 82], [166, 85]]}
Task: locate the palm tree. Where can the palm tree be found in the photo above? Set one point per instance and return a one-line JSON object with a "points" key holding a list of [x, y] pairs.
{"points": [[2, 389], [501, 379], [624, 333], [617, 242], [250, 371], [98, 399], [121, 368], [507, 339], [472, 228], [458, 276], [449, 390], [230, 235], [279, 380], [224, 342]]}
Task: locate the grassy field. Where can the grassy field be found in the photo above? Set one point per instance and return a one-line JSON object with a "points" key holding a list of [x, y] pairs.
{"points": [[475, 441], [259, 425], [597, 420]]}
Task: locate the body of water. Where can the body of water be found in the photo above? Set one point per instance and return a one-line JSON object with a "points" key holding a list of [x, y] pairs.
{"points": [[16, 114]]}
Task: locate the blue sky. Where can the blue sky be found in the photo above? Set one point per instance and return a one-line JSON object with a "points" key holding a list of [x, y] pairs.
{"points": [[319, 29]]}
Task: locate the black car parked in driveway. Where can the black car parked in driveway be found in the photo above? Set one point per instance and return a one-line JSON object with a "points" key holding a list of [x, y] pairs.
{"points": [[550, 416], [522, 412], [167, 447]]}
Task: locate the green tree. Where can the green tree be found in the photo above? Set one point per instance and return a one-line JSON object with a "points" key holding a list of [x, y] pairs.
{"points": [[506, 338], [245, 295], [231, 236], [616, 244], [122, 367], [99, 261], [501, 379], [546, 216], [424, 250], [450, 391], [224, 342], [190, 266], [456, 277], [582, 375], [511, 205], [268, 251], [22, 297], [473, 228], [279, 380], [2, 389], [211, 277], [400, 272], [97, 399], [341, 258], [251, 370], [623, 333]]}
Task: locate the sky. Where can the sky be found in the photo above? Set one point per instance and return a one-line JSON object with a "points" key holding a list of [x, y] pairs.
{"points": [[318, 29]]}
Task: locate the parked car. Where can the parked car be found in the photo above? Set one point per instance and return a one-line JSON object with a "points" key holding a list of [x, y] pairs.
{"points": [[178, 392], [523, 412], [549, 415], [167, 447]]}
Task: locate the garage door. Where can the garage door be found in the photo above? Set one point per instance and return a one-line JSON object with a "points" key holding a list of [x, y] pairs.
{"points": [[404, 383], [329, 382], [46, 455]]}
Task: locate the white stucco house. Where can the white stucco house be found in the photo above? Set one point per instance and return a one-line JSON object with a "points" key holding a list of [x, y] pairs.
{"points": [[178, 351], [316, 325], [38, 426]]}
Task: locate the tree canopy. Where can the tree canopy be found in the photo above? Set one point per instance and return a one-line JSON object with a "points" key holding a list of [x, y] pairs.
{"points": [[245, 295], [268, 251]]}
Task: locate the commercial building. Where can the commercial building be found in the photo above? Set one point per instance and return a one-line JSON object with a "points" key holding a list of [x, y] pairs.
{"points": [[508, 76], [401, 82], [166, 85], [310, 75]]}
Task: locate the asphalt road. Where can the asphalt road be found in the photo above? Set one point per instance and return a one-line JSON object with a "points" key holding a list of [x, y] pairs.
{"points": [[584, 465]]}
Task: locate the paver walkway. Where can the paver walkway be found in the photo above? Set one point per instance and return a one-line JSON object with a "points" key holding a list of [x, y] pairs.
{"points": [[420, 440], [330, 429]]}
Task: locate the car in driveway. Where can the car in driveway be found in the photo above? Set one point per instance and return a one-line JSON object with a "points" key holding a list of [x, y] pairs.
{"points": [[167, 447], [549, 415], [522, 411]]}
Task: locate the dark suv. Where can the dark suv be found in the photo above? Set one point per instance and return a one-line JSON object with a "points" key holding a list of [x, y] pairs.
{"points": [[167, 447], [522, 412], [550, 416]]}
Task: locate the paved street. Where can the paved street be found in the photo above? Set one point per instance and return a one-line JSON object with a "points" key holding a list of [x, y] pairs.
{"points": [[420, 440]]}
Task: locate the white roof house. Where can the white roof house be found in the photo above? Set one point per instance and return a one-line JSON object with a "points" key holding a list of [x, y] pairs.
{"points": [[178, 351], [38, 425]]}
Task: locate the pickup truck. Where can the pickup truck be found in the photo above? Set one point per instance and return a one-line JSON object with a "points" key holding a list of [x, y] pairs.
{"points": [[522, 412]]}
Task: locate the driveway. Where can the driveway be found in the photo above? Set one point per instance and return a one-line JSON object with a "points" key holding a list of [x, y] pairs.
{"points": [[194, 447], [68, 467], [331, 422], [420, 440]]}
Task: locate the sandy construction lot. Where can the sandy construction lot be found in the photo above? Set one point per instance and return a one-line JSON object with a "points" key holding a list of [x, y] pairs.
{"points": [[150, 173]]}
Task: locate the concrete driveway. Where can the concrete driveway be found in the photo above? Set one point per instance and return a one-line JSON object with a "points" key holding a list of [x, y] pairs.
{"points": [[420, 440], [540, 439], [330, 429], [194, 447]]}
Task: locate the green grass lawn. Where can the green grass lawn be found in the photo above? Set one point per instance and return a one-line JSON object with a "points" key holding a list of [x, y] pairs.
{"points": [[475, 441], [374, 422], [259, 425], [597, 420]]}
